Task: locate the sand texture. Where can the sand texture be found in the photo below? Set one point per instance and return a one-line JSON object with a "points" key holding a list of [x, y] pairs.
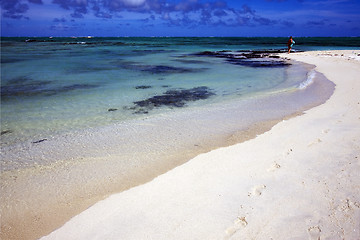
{"points": [[300, 180]]}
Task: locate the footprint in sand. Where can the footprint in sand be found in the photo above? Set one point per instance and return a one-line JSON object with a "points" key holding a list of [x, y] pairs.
{"points": [[314, 233], [257, 190], [288, 152], [348, 205], [239, 223], [274, 167], [315, 142]]}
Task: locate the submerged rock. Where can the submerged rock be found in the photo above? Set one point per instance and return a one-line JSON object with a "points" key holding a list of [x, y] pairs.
{"points": [[172, 98]]}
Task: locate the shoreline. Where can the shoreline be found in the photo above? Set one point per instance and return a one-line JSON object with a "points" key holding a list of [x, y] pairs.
{"points": [[76, 204], [304, 182]]}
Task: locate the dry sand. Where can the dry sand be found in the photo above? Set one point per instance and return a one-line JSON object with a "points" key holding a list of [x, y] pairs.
{"points": [[300, 180]]}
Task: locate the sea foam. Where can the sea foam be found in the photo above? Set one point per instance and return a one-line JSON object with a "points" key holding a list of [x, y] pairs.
{"points": [[309, 80]]}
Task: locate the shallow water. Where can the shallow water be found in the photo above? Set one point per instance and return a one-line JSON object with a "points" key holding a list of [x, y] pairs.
{"points": [[55, 87]]}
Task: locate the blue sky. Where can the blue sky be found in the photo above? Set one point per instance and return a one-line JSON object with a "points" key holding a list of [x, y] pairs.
{"points": [[180, 18]]}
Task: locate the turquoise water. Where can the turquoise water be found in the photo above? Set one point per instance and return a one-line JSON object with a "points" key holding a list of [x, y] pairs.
{"points": [[65, 84], [52, 86]]}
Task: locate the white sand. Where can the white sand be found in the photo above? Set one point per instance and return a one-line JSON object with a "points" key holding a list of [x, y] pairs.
{"points": [[300, 180]]}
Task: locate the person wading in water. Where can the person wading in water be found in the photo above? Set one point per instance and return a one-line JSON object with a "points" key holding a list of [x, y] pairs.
{"points": [[290, 44]]}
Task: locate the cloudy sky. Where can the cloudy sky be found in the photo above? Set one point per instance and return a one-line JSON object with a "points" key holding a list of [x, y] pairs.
{"points": [[180, 17]]}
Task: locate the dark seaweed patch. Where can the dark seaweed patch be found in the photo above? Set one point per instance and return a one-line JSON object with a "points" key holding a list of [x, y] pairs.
{"points": [[89, 69], [172, 98], [19, 80], [142, 87], [120, 63], [156, 69], [6, 132], [10, 60], [257, 63], [39, 141], [75, 87], [25, 89], [6, 44], [162, 69], [36, 88], [188, 61], [150, 51], [265, 58]]}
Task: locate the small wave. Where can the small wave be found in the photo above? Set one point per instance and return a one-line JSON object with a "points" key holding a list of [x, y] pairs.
{"points": [[309, 80]]}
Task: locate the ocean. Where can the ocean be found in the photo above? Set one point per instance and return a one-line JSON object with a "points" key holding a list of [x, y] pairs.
{"points": [[53, 88]]}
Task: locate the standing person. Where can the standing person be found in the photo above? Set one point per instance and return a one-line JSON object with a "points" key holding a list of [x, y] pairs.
{"points": [[290, 43]]}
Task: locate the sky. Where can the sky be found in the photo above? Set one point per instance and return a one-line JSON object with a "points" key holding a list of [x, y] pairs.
{"points": [[201, 18]]}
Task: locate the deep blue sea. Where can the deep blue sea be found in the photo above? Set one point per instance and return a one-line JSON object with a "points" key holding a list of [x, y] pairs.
{"points": [[53, 86]]}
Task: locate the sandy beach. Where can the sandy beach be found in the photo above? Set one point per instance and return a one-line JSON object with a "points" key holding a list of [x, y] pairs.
{"points": [[297, 181]]}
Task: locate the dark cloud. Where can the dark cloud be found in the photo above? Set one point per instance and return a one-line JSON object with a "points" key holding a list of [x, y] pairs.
{"points": [[36, 1], [245, 9], [62, 27], [71, 4], [287, 23], [220, 13], [99, 13], [316, 23], [59, 20], [103, 14], [77, 14], [14, 8], [264, 21], [80, 7], [188, 13], [282, 0]]}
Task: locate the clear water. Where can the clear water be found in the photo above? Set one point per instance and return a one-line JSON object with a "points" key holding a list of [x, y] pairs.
{"points": [[80, 95], [54, 87]]}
